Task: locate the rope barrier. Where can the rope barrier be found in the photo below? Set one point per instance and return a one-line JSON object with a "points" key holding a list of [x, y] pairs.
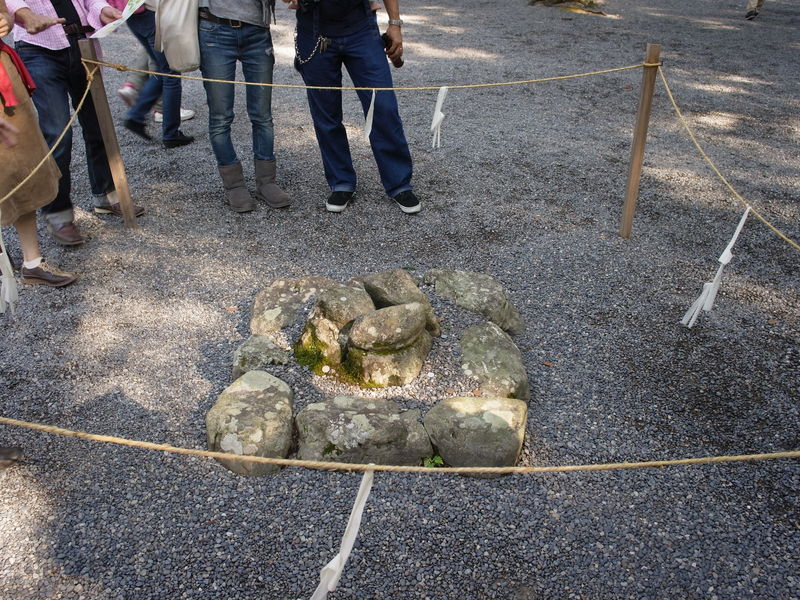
{"points": [[714, 168], [338, 466], [467, 86], [90, 78]]}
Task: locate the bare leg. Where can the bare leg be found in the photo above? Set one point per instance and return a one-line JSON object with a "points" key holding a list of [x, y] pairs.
{"points": [[28, 236]]}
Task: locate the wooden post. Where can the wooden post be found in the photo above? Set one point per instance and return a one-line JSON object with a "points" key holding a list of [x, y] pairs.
{"points": [[652, 57], [103, 111]]}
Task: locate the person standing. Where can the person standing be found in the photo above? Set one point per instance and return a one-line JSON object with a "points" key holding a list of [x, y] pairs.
{"points": [[143, 26], [753, 6], [46, 34], [22, 148], [232, 31], [345, 33]]}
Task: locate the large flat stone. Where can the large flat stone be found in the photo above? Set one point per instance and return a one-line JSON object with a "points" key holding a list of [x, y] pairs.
{"points": [[278, 306], [478, 293], [478, 431], [490, 356], [360, 430]]}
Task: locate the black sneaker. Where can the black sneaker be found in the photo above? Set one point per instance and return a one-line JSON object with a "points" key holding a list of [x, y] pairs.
{"points": [[751, 14], [338, 201], [180, 139], [408, 202], [137, 128]]}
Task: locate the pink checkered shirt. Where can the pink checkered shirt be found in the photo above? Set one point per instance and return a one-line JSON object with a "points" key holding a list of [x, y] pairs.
{"points": [[54, 37]]}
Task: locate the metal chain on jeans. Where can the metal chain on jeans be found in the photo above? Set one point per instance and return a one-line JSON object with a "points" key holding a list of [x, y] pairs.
{"points": [[321, 45]]}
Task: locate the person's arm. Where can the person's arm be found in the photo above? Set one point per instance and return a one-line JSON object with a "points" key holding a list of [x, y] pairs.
{"points": [[29, 20], [99, 13], [395, 33], [5, 20]]}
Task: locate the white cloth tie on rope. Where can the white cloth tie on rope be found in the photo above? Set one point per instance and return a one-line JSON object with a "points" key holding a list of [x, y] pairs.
{"points": [[709, 294], [370, 116], [330, 574], [8, 285], [438, 117]]}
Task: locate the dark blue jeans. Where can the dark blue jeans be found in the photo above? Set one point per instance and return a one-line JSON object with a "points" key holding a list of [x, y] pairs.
{"points": [[363, 55], [61, 78], [221, 47], [143, 27]]}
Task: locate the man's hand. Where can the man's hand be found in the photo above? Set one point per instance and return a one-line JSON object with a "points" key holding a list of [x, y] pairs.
{"points": [[8, 133], [34, 22], [395, 50], [110, 14], [292, 4]]}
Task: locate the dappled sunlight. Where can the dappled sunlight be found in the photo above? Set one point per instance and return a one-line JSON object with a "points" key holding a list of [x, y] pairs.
{"points": [[716, 24], [720, 121], [732, 78], [24, 528], [717, 88], [457, 53]]}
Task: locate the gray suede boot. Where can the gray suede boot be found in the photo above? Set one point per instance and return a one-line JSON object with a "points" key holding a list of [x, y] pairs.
{"points": [[266, 188], [236, 195]]}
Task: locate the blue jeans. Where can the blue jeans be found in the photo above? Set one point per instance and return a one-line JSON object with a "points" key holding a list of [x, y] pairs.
{"points": [[143, 27], [221, 46], [60, 77], [362, 53]]}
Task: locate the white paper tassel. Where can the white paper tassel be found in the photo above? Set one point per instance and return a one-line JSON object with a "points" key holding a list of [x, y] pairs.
{"points": [[330, 574], [438, 117], [709, 294], [8, 285], [370, 116]]}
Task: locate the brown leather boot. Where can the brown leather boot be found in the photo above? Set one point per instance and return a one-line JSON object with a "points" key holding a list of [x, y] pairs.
{"points": [[236, 194], [266, 188]]}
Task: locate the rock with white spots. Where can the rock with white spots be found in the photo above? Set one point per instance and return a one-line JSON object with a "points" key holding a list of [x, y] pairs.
{"points": [[478, 431], [489, 355], [361, 430], [252, 417], [279, 305]]}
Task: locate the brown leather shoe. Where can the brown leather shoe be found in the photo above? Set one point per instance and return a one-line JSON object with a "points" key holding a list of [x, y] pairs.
{"points": [[116, 210], [46, 274], [9, 456], [66, 234]]}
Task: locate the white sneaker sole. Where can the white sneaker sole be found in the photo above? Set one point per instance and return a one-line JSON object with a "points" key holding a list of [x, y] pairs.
{"points": [[336, 208], [409, 210]]}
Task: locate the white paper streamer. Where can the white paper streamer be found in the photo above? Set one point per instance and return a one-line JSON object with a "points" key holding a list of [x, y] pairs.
{"points": [[709, 294], [370, 116], [438, 117], [330, 574], [8, 285]]}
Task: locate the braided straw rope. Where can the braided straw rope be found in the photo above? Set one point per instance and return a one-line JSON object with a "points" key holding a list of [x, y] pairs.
{"points": [[714, 168], [338, 466]]}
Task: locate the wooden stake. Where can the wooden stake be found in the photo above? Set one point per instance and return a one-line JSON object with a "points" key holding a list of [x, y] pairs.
{"points": [[652, 57], [115, 163]]}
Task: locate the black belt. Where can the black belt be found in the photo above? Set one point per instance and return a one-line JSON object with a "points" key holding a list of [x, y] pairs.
{"points": [[204, 14], [77, 29]]}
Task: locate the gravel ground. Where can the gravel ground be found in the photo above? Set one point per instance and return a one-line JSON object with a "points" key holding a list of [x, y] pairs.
{"points": [[141, 345]]}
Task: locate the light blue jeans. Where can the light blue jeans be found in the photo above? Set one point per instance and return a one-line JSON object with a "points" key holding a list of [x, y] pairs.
{"points": [[221, 46]]}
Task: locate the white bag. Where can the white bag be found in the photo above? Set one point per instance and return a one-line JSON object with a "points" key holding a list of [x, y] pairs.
{"points": [[176, 34]]}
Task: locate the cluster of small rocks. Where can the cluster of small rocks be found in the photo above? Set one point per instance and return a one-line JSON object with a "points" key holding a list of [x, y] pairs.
{"points": [[374, 331]]}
